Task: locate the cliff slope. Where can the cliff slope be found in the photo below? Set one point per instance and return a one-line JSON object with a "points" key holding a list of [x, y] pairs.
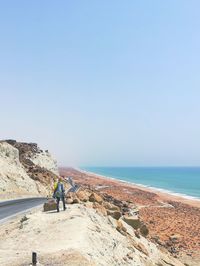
{"points": [[25, 170], [78, 236]]}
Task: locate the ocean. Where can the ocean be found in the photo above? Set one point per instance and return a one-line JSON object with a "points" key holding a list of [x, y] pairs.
{"points": [[180, 181]]}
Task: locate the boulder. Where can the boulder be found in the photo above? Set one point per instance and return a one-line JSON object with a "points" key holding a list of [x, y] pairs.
{"points": [[115, 214], [120, 228], [69, 201], [71, 198], [75, 200], [175, 238], [144, 230], [69, 195], [168, 244], [99, 208], [110, 206], [49, 206], [83, 195], [132, 221], [95, 198]]}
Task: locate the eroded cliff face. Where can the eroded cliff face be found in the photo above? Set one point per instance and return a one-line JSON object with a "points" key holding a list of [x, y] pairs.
{"points": [[25, 170]]}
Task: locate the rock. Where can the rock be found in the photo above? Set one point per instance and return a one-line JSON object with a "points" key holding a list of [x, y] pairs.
{"points": [[112, 221], [99, 208], [115, 214], [110, 206], [51, 200], [83, 195], [144, 230], [139, 246], [175, 238], [132, 221], [125, 259], [137, 234], [69, 195], [161, 243], [142, 248], [76, 201], [125, 204], [30, 153], [95, 198], [155, 237], [69, 201], [71, 198], [120, 228], [49, 206], [168, 243], [117, 202]]}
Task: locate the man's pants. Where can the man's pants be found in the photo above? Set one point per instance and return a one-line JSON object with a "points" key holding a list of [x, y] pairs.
{"points": [[58, 201]]}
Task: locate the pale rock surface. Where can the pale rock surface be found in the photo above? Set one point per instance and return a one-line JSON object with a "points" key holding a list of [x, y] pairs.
{"points": [[78, 236], [13, 177], [17, 178], [45, 160]]}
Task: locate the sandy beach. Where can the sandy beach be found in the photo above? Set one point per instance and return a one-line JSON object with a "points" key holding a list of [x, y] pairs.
{"points": [[163, 196], [173, 221]]}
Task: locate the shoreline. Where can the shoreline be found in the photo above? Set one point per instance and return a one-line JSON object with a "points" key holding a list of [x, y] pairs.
{"points": [[161, 193]]}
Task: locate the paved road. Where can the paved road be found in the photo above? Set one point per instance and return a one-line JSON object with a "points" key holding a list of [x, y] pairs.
{"points": [[13, 207]]}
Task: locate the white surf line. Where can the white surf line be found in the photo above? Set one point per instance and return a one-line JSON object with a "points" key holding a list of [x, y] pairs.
{"points": [[141, 186]]}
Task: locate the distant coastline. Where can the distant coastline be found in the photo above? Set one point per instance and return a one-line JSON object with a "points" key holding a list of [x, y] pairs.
{"points": [[185, 198]]}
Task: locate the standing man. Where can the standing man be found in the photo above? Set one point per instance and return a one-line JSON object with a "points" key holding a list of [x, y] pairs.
{"points": [[59, 193]]}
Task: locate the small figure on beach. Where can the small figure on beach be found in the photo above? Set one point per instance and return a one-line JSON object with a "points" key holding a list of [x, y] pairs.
{"points": [[59, 193]]}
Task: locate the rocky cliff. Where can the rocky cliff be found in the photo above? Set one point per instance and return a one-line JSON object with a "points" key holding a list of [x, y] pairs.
{"points": [[92, 231], [25, 170]]}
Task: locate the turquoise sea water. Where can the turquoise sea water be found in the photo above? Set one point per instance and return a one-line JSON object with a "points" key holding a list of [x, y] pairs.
{"points": [[184, 181]]}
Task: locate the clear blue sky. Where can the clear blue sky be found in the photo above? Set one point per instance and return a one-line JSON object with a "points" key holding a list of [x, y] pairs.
{"points": [[103, 82]]}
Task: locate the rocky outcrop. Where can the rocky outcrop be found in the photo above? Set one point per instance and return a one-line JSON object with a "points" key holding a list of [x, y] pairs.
{"points": [[99, 237], [14, 179], [25, 170], [108, 206]]}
